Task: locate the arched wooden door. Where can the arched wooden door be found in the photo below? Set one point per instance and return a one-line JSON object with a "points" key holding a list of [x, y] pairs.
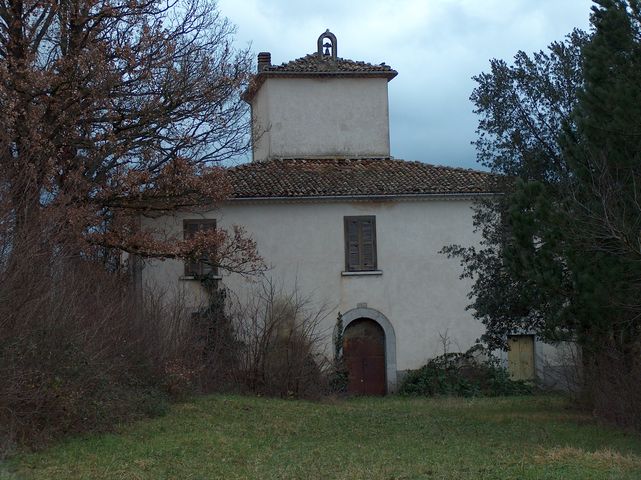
{"points": [[364, 352]]}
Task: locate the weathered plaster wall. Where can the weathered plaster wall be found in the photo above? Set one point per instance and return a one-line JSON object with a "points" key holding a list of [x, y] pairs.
{"points": [[296, 117], [419, 290]]}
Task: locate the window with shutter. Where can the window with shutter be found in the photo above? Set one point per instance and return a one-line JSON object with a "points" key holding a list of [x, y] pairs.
{"points": [[360, 243], [203, 266]]}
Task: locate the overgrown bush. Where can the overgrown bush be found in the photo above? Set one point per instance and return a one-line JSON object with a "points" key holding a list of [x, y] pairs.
{"points": [[78, 350], [280, 344], [610, 386], [215, 341], [462, 374], [74, 355]]}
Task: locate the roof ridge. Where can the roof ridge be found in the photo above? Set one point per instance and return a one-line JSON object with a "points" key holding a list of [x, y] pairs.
{"points": [[451, 167], [374, 160], [327, 60]]}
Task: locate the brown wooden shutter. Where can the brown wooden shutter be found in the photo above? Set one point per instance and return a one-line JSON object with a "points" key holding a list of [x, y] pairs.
{"points": [[352, 245], [206, 265], [190, 227], [368, 243], [360, 243], [198, 267]]}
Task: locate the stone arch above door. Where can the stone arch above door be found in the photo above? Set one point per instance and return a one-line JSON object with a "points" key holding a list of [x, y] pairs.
{"points": [[390, 339]]}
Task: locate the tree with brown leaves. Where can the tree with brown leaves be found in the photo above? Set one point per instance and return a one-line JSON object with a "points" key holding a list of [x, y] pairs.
{"points": [[113, 109]]}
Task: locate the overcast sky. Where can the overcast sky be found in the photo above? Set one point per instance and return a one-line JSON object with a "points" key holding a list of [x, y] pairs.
{"points": [[435, 45]]}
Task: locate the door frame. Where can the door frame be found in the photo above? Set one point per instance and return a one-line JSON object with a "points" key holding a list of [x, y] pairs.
{"points": [[390, 339]]}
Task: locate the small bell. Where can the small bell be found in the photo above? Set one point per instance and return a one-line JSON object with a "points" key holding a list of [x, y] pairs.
{"points": [[326, 45]]}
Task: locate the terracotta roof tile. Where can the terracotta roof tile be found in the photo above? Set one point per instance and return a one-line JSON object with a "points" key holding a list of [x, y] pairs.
{"points": [[314, 63], [318, 65], [300, 178]]}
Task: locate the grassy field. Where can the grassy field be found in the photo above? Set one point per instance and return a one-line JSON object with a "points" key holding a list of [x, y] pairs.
{"points": [[384, 438]]}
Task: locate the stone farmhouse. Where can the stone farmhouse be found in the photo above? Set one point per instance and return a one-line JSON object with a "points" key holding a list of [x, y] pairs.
{"points": [[334, 214]]}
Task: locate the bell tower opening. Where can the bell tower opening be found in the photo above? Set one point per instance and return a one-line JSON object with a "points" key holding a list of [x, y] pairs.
{"points": [[327, 45]]}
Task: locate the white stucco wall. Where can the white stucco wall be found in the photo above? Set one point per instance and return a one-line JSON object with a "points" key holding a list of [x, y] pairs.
{"points": [[419, 290], [296, 117]]}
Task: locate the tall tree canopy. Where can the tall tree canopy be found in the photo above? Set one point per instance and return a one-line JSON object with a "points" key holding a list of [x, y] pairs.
{"points": [[116, 108], [603, 150], [523, 108], [561, 249]]}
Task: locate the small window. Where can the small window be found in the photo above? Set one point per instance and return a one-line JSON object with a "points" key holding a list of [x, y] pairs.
{"points": [[360, 243], [203, 266]]}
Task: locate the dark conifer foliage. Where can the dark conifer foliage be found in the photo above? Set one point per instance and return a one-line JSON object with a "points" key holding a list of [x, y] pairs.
{"points": [[561, 248], [523, 108]]}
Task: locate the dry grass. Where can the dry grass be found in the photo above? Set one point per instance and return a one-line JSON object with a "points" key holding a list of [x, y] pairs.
{"points": [[605, 458]]}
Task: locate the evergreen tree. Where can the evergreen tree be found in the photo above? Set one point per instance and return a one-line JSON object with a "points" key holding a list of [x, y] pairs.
{"points": [[561, 249], [523, 108], [604, 153], [574, 241]]}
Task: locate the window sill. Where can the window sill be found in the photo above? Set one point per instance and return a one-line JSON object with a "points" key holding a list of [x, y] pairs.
{"points": [[364, 273], [192, 277]]}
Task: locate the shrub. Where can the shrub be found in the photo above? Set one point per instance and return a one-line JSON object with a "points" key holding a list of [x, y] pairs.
{"points": [[461, 374], [78, 351], [610, 386], [74, 355], [217, 348], [280, 344]]}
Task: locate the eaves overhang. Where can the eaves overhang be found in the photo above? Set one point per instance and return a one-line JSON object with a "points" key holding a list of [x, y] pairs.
{"points": [[366, 198], [261, 77]]}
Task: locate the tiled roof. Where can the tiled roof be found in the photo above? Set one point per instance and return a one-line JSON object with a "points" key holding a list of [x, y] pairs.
{"points": [[300, 178], [314, 63], [319, 65]]}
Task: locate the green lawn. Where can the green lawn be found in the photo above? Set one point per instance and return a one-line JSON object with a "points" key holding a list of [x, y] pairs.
{"points": [[383, 438]]}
